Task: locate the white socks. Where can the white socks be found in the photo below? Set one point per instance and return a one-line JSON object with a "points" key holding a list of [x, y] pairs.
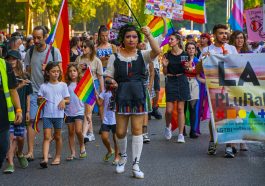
{"points": [[122, 144], [137, 146]]}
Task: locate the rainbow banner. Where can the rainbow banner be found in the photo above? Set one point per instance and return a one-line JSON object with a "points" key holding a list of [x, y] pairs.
{"points": [[194, 10], [236, 86], [236, 19], [85, 89], [35, 125], [157, 28], [59, 35]]}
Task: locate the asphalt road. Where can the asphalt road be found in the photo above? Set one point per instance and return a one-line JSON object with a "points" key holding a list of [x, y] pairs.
{"points": [[163, 162]]}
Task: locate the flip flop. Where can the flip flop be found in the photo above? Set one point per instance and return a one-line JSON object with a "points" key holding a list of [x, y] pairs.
{"points": [[57, 162], [44, 164], [70, 158], [29, 157]]}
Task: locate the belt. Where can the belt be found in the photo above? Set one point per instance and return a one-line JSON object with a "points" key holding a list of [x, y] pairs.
{"points": [[174, 75]]}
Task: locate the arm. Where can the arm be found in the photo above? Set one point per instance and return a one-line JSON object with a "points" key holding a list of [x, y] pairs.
{"points": [[165, 64], [16, 102], [153, 43], [28, 108], [151, 76], [165, 27], [200, 79], [64, 102], [101, 83]]}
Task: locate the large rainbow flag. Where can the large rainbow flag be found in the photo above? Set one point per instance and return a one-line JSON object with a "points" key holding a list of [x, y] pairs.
{"points": [[194, 10], [85, 89], [59, 35], [157, 28]]}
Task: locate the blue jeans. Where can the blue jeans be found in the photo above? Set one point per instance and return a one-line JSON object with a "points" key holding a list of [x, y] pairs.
{"points": [[4, 144]]}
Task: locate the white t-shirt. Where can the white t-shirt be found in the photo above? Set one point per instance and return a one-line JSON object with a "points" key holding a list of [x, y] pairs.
{"points": [[110, 68], [76, 106], [54, 94], [109, 115], [218, 50], [159, 39]]}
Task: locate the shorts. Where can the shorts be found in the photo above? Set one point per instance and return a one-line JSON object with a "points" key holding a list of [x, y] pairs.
{"points": [[56, 123], [194, 88], [34, 106], [107, 128], [72, 119], [17, 130], [157, 80]]}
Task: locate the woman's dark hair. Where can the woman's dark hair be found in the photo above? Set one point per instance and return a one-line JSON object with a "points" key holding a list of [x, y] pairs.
{"points": [[178, 37], [79, 71], [91, 45], [218, 26], [74, 41], [191, 43], [128, 28], [102, 28], [232, 40], [50, 66]]}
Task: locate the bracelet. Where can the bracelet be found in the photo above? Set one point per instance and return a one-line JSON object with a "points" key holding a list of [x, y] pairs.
{"points": [[18, 110]]}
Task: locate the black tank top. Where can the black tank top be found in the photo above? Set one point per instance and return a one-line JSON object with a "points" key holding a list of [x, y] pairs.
{"points": [[174, 66]]}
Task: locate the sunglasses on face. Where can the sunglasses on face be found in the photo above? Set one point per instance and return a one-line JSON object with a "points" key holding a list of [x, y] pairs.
{"points": [[131, 36], [84, 46]]}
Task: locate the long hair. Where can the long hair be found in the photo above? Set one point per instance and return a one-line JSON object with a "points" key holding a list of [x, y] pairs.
{"points": [[232, 40], [19, 70], [74, 41], [79, 72], [90, 44], [102, 28], [128, 28], [191, 43], [50, 66], [178, 37]]}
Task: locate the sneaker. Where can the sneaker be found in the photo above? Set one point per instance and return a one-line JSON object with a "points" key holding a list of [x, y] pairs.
{"points": [[156, 113], [181, 138], [90, 137], [168, 133], [193, 135], [229, 152], [10, 169], [23, 162], [212, 148], [146, 139], [120, 167], [137, 173]]}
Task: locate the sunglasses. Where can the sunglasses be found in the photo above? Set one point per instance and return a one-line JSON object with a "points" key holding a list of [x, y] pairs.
{"points": [[84, 46], [131, 36]]}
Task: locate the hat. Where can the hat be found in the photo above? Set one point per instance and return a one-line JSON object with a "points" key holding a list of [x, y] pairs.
{"points": [[14, 54], [206, 35], [189, 36]]}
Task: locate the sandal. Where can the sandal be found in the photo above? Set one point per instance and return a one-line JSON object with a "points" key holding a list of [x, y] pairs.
{"points": [[70, 158], [44, 164], [108, 156], [56, 162], [29, 157], [83, 155]]}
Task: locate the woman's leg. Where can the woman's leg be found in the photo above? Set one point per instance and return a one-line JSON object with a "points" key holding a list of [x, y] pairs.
{"points": [[181, 116], [12, 149], [117, 157], [58, 141], [30, 140], [46, 143], [169, 110], [71, 138], [105, 140]]}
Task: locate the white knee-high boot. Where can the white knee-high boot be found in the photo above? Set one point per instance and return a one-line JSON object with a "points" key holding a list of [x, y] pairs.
{"points": [[137, 146]]}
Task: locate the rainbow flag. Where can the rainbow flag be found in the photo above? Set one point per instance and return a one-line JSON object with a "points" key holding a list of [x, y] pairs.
{"points": [[85, 89], [236, 19], [59, 35], [35, 125], [194, 10], [157, 28]]}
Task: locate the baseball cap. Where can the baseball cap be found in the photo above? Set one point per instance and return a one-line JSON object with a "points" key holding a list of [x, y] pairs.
{"points": [[14, 54]]}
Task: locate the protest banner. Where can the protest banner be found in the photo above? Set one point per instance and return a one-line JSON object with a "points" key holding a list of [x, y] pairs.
{"points": [[236, 86], [254, 23]]}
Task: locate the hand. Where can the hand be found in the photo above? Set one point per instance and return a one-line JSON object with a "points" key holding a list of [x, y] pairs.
{"points": [[164, 61], [23, 83], [61, 105], [146, 31], [43, 67], [206, 54], [18, 118], [27, 117]]}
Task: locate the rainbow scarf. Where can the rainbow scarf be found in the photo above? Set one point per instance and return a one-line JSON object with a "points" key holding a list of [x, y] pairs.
{"points": [[157, 28], [194, 10], [35, 125], [85, 89]]}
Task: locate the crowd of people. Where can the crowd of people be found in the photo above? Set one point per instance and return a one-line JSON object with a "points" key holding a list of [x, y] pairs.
{"points": [[126, 75]]}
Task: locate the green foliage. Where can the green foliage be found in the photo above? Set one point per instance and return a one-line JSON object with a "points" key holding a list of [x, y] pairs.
{"points": [[248, 4]]}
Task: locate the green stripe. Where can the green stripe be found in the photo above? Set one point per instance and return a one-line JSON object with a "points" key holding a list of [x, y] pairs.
{"points": [[194, 6], [161, 30]]}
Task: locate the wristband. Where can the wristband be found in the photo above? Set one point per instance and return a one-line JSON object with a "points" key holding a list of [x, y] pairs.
{"points": [[19, 110]]}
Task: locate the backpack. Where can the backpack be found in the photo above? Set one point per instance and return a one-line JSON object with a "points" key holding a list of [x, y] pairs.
{"points": [[31, 52]]}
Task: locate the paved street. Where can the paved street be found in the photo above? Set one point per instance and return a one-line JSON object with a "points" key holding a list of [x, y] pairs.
{"points": [[163, 162]]}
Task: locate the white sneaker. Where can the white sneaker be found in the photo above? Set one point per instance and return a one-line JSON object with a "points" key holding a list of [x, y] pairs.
{"points": [[91, 137], [181, 138], [168, 133], [137, 173], [120, 167]]}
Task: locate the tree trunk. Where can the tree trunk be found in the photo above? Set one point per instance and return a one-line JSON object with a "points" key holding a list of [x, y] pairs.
{"points": [[84, 26]]}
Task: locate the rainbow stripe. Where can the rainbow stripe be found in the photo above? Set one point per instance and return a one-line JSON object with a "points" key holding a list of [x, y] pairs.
{"points": [[236, 19], [157, 28], [194, 10], [35, 125], [85, 89], [59, 35]]}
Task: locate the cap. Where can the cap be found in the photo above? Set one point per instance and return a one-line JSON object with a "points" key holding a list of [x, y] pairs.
{"points": [[14, 54]]}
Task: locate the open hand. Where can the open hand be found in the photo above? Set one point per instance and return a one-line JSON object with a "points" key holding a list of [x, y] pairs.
{"points": [[61, 105]]}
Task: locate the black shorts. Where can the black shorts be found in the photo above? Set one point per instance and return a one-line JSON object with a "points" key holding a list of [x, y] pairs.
{"points": [[157, 80], [107, 128], [71, 119]]}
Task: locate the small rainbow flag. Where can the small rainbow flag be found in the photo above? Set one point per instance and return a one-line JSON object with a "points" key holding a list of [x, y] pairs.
{"points": [[194, 10], [157, 28], [35, 125], [85, 89]]}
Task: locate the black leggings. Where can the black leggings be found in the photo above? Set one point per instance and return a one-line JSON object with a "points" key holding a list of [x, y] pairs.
{"points": [[192, 109], [4, 144]]}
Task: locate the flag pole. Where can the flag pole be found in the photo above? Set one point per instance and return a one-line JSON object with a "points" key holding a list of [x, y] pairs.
{"points": [[132, 13]]}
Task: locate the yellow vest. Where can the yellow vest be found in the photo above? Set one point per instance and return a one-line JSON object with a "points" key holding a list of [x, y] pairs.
{"points": [[10, 108]]}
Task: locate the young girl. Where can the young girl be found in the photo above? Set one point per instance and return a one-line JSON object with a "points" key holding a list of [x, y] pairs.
{"points": [[24, 89], [109, 123], [74, 112], [57, 96]]}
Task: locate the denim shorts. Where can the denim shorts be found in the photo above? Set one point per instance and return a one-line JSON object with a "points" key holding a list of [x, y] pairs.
{"points": [[107, 128], [72, 119], [33, 106], [17, 130], [56, 123]]}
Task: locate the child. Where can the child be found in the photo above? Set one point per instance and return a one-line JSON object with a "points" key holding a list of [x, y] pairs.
{"points": [[57, 96], [24, 89], [108, 123], [74, 112]]}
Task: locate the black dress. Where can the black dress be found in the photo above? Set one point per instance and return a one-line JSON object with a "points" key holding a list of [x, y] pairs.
{"points": [[177, 85]]}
